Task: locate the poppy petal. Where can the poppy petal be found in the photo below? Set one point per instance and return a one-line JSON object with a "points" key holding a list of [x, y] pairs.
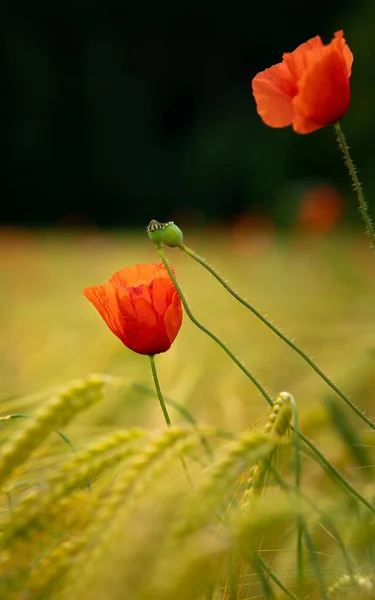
{"points": [[141, 291], [173, 318], [105, 299], [162, 291], [273, 90], [138, 274], [296, 61], [324, 95], [340, 45], [141, 307], [150, 336], [309, 89]]}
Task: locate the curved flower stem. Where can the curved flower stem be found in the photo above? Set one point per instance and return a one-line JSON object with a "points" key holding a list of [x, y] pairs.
{"points": [[274, 577], [268, 399], [333, 471], [356, 183], [164, 409], [325, 519], [280, 334], [210, 334]]}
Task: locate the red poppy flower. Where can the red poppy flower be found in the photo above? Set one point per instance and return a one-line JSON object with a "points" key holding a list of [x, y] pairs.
{"points": [[309, 89], [141, 306]]}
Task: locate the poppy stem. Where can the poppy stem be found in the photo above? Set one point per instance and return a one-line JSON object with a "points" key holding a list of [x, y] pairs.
{"points": [[165, 411], [274, 577], [280, 334], [209, 333], [158, 390], [322, 459], [356, 183]]}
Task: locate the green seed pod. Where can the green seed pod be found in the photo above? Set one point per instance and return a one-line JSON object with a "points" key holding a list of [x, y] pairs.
{"points": [[173, 235], [155, 231]]}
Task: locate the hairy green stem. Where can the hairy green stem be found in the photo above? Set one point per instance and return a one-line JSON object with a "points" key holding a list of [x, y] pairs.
{"points": [[332, 469], [325, 519], [165, 410], [158, 390], [209, 333], [356, 183], [280, 334], [268, 591], [274, 577], [268, 399]]}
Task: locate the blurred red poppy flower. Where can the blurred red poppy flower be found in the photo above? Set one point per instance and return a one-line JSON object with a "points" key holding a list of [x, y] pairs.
{"points": [[141, 306], [309, 89], [320, 210]]}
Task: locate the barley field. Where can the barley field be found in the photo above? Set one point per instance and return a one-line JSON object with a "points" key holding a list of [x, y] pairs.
{"points": [[101, 500]]}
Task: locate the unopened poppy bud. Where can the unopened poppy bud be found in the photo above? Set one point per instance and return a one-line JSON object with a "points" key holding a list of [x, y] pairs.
{"points": [[155, 231], [173, 235]]}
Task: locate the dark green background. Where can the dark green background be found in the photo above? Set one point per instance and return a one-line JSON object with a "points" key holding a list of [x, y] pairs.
{"points": [[118, 112]]}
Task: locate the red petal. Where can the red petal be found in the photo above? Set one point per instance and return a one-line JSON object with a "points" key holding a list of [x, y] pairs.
{"points": [[341, 46], [105, 299], [150, 336], [162, 291], [297, 61], [134, 304], [173, 318], [273, 90], [324, 92], [138, 274]]}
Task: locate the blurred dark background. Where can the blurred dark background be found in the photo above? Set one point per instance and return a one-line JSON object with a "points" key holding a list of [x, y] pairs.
{"points": [[118, 112]]}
